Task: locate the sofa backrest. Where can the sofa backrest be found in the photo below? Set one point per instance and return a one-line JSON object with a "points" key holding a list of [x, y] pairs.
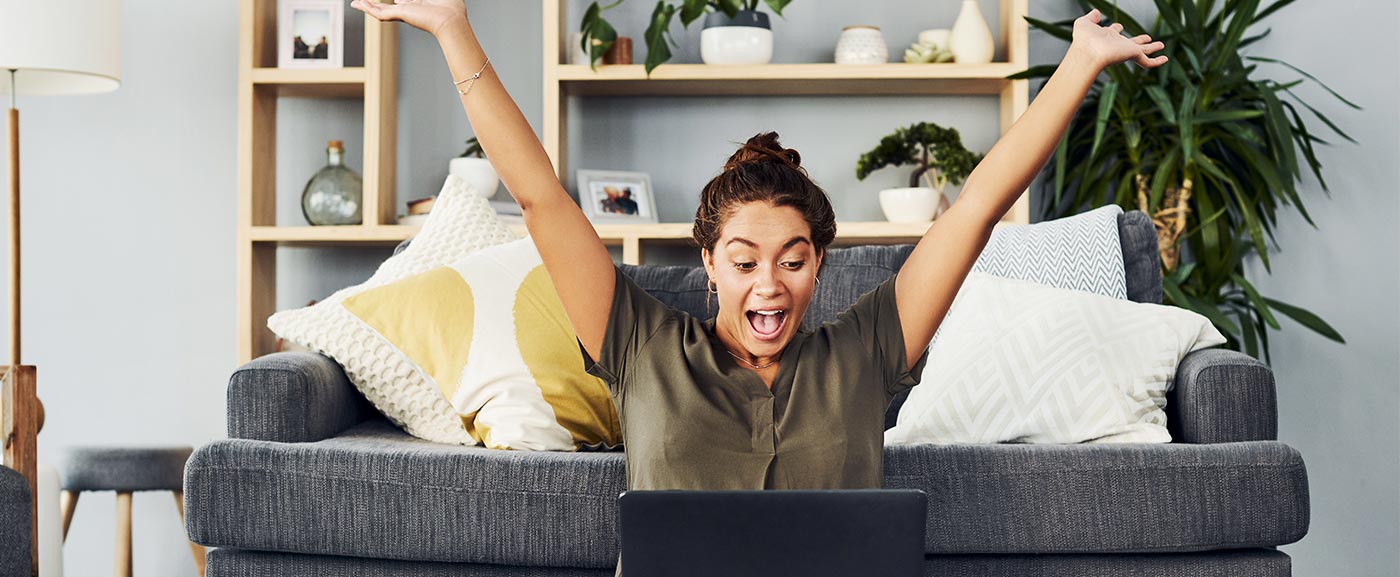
{"points": [[849, 272], [852, 271]]}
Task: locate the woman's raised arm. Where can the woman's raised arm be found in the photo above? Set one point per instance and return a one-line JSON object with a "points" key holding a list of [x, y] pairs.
{"points": [[933, 273], [578, 263]]}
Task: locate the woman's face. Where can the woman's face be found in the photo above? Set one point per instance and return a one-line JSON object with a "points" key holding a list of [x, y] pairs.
{"points": [[766, 268]]}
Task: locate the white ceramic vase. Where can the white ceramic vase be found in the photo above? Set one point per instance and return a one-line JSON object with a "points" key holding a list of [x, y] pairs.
{"points": [[971, 39], [862, 45], [919, 204], [477, 172], [743, 40]]}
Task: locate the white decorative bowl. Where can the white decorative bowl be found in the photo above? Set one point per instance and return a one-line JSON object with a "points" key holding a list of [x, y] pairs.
{"points": [[478, 173], [736, 45], [909, 204], [862, 45]]}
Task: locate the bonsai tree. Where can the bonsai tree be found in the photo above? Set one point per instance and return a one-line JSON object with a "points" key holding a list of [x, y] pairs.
{"points": [[473, 150], [659, 31], [936, 153], [1212, 155]]}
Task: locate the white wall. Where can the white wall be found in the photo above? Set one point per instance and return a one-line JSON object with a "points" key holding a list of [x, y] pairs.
{"points": [[129, 231]]}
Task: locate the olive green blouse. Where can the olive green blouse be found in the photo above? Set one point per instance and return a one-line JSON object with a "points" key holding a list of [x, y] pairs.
{"points": [[693, 418]]}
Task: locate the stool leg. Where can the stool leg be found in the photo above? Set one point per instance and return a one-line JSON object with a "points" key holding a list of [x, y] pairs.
{"points": [[123, 564], [196, 550], [69, 503]]}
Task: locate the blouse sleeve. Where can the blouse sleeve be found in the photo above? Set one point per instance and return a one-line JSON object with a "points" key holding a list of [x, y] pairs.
{"points": [[635, 316], [874, 320]]}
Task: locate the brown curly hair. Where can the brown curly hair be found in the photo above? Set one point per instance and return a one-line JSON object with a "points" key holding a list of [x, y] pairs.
{"points": [[762, 170]]}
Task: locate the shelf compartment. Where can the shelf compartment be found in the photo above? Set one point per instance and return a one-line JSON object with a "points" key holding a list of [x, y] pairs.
{"points": [[611, 234], [786, 79], [311, 83]]}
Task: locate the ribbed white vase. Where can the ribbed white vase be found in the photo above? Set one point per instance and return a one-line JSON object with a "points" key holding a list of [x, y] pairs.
{"points": [[971, 39]]}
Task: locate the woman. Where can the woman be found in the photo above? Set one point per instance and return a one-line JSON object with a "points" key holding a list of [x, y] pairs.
{"points": [[749, 400]]}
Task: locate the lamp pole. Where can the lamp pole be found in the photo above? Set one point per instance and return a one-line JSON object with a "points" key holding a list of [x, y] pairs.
{"points": [[22, 414]]}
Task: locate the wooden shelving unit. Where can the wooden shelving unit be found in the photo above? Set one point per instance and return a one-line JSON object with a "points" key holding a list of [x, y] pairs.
{"points": [[562, 81], [260, 84]]}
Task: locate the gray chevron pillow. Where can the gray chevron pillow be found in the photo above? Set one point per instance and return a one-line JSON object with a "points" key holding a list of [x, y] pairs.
{"points": [[1080, 252]]}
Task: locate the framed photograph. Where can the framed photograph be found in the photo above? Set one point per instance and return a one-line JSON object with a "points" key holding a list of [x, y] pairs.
{"points": [[608, 196], [310, 34]]}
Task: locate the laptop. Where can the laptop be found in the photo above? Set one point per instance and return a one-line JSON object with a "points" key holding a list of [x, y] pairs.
{"points": [[800, 533]]}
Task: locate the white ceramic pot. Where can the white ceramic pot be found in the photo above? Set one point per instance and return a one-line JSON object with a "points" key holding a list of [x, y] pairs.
{"points": [[745, 39], [575, 49], [477, 172], [862, 45], [971, 39], [936, 36], [909, 204]]}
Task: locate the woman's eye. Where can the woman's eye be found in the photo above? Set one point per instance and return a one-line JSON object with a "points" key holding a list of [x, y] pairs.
{"points": [[745, 265], [794, 265]]}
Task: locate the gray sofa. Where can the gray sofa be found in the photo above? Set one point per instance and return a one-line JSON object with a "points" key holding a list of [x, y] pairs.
{"points": [[312, 481], [15, 506]]}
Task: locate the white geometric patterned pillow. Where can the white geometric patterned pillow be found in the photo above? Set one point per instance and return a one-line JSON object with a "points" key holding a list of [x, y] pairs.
{"points": [[461, 223], [1025, 363]]}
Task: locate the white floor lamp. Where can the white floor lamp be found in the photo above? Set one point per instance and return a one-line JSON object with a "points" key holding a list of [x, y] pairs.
{"points": [[46, 47]]}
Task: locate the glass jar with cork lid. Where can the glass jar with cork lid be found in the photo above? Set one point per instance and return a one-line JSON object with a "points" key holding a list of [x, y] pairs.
{"points": [[334, 194]]}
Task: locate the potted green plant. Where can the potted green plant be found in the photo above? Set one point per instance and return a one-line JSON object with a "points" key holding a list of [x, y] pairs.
{"points": [[597, 35], [1205, 147], [938, 157], [473, 167], [735, 31]]}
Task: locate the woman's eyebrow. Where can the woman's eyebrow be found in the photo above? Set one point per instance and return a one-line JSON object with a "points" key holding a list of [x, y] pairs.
{"points": [[751, 244]]}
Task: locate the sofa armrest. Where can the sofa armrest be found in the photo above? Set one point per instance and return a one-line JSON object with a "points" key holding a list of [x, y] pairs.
{"points": [[293, 398], [1222, 396]]}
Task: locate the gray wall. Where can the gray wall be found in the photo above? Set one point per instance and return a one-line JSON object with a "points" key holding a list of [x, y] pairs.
{"points": [[130, 224]]}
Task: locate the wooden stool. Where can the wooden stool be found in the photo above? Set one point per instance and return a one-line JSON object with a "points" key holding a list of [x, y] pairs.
{"points": [[125, 470]]}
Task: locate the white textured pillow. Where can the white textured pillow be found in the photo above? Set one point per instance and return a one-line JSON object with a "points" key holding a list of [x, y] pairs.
{"points": [[1024, 363], [460, 224]]}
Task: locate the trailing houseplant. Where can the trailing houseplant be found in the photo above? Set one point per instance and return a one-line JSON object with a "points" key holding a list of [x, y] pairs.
{"points": [[938, 157], [658, 34], [1205, 147], [598, 34]]}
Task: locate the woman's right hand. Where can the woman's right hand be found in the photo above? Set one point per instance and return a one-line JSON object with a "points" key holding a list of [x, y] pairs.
{"points": [[430, 16]]}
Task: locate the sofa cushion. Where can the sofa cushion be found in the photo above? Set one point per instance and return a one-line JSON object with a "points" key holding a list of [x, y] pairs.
{"points": [[375, 491], [1240, 563]]}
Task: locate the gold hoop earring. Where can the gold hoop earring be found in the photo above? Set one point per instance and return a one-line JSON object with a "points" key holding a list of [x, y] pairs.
{"points": [[710, 289]]}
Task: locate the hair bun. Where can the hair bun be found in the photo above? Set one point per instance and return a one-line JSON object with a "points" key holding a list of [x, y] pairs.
{"points": [[763, 147]]}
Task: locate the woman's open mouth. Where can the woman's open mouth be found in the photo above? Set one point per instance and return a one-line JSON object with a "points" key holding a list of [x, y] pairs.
{"points": [[767, 324]]}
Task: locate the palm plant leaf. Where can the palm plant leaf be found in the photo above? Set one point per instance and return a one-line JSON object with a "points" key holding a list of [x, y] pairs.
{"points": [[1208, 120]]}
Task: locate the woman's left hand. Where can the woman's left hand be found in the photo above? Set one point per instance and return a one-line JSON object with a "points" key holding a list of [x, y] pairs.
{"points": [[1108, 46]]}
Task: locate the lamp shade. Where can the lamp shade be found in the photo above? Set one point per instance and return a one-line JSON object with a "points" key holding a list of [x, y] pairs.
{"points": [[60, 46]]}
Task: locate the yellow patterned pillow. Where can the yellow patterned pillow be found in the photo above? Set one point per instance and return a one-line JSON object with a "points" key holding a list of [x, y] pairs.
{"points": [[461, 224], [491, 333]]}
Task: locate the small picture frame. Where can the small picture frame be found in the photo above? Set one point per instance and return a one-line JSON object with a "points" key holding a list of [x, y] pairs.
{"points": [[613, 197], [310, 34]]}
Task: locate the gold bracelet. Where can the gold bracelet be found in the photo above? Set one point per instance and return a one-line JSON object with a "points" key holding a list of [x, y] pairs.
{"points": [[472, 80]]}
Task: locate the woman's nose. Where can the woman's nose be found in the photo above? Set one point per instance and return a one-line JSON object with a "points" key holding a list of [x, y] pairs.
{"points": [[767, 283]]}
